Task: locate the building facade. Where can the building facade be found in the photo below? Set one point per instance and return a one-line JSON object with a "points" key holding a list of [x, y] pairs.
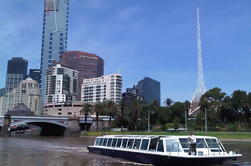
{"points": [[27, 93], [131, 95], [88, 65], [16, 72], [149, 89], [107, 87], [61, 84], [35, 74], [65, 109], [54, 38], [2, 92]]}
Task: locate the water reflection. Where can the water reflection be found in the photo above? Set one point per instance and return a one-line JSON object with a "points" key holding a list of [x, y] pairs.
{"points": [[65, 151]]}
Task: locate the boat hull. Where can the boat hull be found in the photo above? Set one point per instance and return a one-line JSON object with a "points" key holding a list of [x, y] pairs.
{"points": [[158, 160]]}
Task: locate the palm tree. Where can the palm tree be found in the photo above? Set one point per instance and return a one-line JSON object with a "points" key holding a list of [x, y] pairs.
{"points": [[98, 109], [110, 109], [86, 110], [122, 108], [137, 108]]}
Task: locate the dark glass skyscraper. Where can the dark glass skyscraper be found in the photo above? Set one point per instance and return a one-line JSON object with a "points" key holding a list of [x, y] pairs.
{"points": [[16, 72], [149, 89], [88, 65], [54, 39], [35, 74]]}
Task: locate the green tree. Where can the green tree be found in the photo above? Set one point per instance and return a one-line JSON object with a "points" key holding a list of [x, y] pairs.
{"points": [[86, 110], [212, 100], [111, 109], [98, 109]]}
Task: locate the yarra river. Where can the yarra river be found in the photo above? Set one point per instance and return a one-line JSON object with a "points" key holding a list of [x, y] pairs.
{"points": [[71, 151]]}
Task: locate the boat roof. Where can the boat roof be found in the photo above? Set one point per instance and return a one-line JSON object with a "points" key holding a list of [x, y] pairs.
{"points": [[151, 136]]}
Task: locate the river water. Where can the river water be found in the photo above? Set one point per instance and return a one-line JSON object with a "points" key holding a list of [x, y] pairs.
{"points": [[71, 151]]}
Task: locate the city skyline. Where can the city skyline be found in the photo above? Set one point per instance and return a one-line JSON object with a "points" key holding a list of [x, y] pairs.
{"points": [[143, 39]]}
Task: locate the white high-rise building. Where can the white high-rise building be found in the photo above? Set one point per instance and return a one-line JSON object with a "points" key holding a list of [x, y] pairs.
{"points": [[107, 87], [61, 84], [27, 93]]}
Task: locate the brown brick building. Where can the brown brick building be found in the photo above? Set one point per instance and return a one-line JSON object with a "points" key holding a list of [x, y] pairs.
{"points": [[87, 64]]}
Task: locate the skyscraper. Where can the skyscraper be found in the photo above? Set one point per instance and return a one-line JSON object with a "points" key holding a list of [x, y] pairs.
{"points": [[35, 74], [149, 89], [54, 39], [88, 65], [16, 72]]}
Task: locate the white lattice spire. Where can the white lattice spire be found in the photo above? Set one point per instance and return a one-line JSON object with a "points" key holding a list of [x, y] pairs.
{"points": [[201, 89]]}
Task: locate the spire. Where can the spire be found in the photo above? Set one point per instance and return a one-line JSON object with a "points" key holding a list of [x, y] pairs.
{"points": [[201, 89]]}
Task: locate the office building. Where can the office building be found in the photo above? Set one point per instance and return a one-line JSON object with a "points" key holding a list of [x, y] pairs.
{"points": [[16, 72], [35, 74], [149, 89], [107, 87], [88, 65], [131, 95], [27, 93], [2, 92], [54, 38], [61, 84]]}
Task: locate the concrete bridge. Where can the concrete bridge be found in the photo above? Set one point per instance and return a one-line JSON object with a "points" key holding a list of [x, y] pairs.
{"points": [[51, 126]]}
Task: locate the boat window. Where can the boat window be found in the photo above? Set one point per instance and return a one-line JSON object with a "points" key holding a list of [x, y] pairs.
{"points": [[130, 143], [200, 143], [153, 144], [172, 145], [105, 141], [124, 142], [212, 143], [101, 142], [114, 142], [160, 146], [97, 141], [184, 142], [109, 142], [144, 144], [119, 143], [136, 143]]}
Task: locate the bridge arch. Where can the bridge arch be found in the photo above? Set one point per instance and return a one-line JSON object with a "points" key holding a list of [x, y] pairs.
{"points": [[48, 128]]}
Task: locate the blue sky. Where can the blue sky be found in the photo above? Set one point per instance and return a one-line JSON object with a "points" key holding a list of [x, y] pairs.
{"points": [[139, 38]]}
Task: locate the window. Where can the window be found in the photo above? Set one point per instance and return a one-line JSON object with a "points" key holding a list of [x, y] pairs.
{"points": [[160, 147], [144, 144], [212, 143], [124, 142], [136, 143], [200, 143], [105, 141], [114, 142], [101, 142], [97, 141], [184, 142], [153, 144], [109, 142], [119, 143], [130, 143], [172, 145]]}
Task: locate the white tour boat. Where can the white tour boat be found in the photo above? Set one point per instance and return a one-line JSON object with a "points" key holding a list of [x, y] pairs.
{"points": [[163, 150]]}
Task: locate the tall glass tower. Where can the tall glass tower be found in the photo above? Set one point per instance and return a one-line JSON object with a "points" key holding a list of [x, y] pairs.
{"points": [[54, 39], [16, 72]]}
